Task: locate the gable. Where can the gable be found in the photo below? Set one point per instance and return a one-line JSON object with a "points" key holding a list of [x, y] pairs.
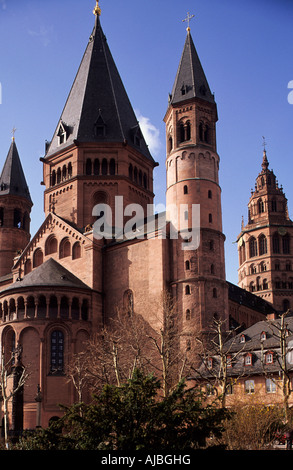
{"points": [[60, 241]]}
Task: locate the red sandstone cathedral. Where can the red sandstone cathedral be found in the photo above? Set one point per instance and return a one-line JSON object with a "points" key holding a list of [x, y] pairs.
{"points": [[64, 283]]}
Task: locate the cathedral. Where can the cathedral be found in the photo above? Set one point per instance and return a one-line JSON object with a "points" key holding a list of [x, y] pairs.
{"points": [[65, 282]]}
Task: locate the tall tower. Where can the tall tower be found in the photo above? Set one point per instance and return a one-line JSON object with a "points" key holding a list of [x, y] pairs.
{"points": [[192, 165], [15, 208], [97, 151], [265, 243]]}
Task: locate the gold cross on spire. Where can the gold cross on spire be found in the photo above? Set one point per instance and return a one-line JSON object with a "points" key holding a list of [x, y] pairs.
{"points": [[97, 10], [188, 18], [13, 133]]}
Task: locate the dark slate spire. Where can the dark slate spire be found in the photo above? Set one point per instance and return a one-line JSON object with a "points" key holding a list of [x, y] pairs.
{"points": [[12, 180], [190, 81], [98, 108]]}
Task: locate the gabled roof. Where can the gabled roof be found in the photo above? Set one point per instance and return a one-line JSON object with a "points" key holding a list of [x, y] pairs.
{"points": [[51, 218], [190, 81], [48, 274], [12, 179], [97, 108]]}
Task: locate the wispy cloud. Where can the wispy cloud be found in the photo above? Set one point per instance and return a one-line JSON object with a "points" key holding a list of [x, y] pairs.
{"points": [[44, 34], [150, 132]]}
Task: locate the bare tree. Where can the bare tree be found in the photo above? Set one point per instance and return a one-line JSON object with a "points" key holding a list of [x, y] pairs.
{"points": [[219, 346], [280, 331], [13, 376]]}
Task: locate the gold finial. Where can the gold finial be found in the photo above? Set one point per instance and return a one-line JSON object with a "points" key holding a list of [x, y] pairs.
{"points": [[13, 134], [97, 10], [188, 18]]}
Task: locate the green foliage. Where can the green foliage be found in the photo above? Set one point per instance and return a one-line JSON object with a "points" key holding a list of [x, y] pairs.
{"points": [[133, 417]]}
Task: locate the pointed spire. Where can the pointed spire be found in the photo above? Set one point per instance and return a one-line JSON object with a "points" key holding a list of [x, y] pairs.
{"points": [[265, 162], [97, 91], [12, 179], [190, 81]]}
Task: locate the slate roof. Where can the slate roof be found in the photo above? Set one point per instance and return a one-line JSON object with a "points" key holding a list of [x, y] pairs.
{"points": [[98, 97], [248, 299], [48, 274], [190, 81], [12, 179], [257, 347]]}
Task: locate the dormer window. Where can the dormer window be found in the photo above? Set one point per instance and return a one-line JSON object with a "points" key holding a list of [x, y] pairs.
{"points": [[100, 126], [62, 134], [210, 363], [229, 361], [248, 359], [269, 357], [136, 136], [263, 336]]}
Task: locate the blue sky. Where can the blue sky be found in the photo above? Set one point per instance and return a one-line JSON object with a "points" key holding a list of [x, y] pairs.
{"points": [[246, 49]]}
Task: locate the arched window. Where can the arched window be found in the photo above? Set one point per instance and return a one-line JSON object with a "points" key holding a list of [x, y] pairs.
{"points": [[185, 189], [65, 248], [42, 306], [75, 308], [17, 218], [200, 131], [53, 178], [27, 266], [145, 181], [188, 314], [64, 308], [69, 170], [130, 171], [96, 166], [51, 245], [170, 141], [260, 206], [181, 133], [215, 293], [286, 244], [59, 175], [57, 352], [104, 167], [262, 243], [187, 264], [38, 258], [252, 247], [188, 131], [187, 290], [84, 310], [210, 194], [64, 172], [76, 251], [135, 175], [30, 307], [112, 166], [26, 222], [276, 243], [88, 167]]}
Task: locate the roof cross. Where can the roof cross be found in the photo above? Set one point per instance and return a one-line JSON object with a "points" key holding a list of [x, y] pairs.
{"points": [[97, 9], [13, 133], [188, 18]]}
